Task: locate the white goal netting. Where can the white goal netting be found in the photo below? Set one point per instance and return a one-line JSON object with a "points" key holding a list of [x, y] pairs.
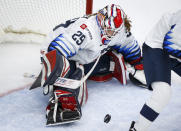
{"points": [[32, 20]]}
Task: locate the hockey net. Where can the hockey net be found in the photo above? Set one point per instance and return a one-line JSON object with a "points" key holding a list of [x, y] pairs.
{"points": [[31, 20]]}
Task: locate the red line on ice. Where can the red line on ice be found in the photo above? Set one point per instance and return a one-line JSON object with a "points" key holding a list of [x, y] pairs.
{"points": [[14, 90]]}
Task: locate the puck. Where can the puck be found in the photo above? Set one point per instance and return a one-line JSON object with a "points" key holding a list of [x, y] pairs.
{"points": [[107, 118]]}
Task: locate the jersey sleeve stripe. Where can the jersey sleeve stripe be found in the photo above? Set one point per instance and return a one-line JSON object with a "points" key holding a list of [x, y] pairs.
{"points": [[65, 48], [133, 54], [62, 51], [68, 44], [58, 48]]}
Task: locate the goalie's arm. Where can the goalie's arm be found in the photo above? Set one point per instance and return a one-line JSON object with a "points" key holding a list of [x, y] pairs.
{"points": [[131, 52], [63, 46], [69, 38]]}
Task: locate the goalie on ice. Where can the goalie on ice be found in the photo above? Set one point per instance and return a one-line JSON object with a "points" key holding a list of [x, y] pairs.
{"points": [[72, 50]]}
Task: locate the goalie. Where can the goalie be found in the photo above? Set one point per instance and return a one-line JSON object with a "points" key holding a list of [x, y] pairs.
{"points": [[74, 47]]}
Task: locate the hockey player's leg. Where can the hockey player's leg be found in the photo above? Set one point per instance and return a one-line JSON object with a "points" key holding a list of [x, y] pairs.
{"points": [[102, 70], [119, 68], [82, 92], [65, 103], [63, 106], [176, 66], [110, 65], [158, 78], [124, 71], [151, 109], [54, 66]]}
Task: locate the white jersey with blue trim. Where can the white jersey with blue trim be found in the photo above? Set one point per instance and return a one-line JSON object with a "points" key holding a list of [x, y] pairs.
{"points": [[166, 34], [80, 40]]}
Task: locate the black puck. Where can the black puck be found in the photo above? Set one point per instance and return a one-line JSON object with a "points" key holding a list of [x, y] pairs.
{"points": [[107, 118]]}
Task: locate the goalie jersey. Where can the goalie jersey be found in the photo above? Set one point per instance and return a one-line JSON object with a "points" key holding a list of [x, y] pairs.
{"points": [[80, 40]]}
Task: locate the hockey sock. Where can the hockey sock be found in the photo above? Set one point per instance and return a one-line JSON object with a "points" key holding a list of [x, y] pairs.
{"points": [[150, 111]]}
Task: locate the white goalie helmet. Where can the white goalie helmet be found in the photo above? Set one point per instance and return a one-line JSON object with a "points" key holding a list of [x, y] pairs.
{"points": [[112, 19]]}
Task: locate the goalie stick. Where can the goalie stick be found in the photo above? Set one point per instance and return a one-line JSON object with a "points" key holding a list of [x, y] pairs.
{"points": [[65, 82], [137, 77]]}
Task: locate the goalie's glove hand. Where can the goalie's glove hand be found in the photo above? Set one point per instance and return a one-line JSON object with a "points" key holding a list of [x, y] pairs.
{"points": [[138, 64], [135, 74]]}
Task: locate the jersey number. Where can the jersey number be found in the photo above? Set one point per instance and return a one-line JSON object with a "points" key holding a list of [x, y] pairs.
{"points": [[78, 37]]}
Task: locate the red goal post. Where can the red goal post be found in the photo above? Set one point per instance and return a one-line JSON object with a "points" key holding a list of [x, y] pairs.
{"points": [[31, 20]]}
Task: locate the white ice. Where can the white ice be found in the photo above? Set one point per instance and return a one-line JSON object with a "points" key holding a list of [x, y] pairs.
{"points": [[24, 110]]}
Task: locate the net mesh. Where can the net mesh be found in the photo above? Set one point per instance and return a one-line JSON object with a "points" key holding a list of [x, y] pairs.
{"points": [[23, 20]]}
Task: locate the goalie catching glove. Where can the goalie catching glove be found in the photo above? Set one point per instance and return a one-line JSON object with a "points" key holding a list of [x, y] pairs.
{"points": [[135, 73], [138, 65]]}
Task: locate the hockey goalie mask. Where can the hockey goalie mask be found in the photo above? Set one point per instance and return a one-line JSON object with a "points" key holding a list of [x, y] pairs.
{"points": [[111, 20]]}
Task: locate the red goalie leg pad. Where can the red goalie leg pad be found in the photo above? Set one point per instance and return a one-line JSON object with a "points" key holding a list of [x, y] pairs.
{"points": [[54, 66], [102, 77], [119, 68], [83, 94], [66, 99], [48, 109], [68, 102]]}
